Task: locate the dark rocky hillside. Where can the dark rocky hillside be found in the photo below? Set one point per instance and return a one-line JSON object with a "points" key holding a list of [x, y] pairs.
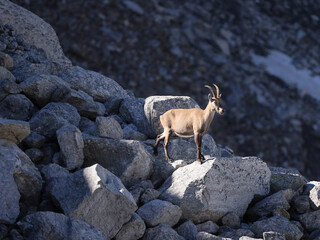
{"points": [[176, 47], [77, 159]]}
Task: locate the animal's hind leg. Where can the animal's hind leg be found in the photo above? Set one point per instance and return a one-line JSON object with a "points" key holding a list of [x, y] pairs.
{"points": [[155, 147], [167, 133]]}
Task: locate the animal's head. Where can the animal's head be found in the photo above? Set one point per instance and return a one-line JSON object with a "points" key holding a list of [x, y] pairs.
{"points": [[215, 100]]}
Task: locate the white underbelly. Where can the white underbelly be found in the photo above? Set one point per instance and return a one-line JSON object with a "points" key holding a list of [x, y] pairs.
{"points": [[183, 136]]}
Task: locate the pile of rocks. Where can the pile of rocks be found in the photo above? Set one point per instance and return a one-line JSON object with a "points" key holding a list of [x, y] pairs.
{"points": [[76, 162], [176, 47]]}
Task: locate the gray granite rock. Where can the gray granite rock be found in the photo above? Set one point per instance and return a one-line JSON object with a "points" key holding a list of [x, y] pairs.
{"points": [[158, 211], [14, 130], [56, 226], [210, 190], [52, 117], [71, 146], [92, 194], [127, 159]]}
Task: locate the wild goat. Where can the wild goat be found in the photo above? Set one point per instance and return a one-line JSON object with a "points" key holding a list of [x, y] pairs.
{"points": [[189, 122]]}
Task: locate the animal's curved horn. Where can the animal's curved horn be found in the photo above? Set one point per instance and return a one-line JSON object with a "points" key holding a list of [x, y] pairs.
{"points": [[213, 94], [218, 92]]}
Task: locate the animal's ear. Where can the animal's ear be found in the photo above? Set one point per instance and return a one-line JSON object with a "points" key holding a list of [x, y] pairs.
{"points": [[209, 97]]}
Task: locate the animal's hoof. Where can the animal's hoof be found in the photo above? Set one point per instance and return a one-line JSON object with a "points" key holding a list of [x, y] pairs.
{"points": [[155, 152], [169, 160], [200, 161]]}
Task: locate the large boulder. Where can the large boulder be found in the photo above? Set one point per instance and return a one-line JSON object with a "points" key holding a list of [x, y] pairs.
{"points": [[40, 88], [276, 224], [127, 159], [162, 232], [95, 84], [210, 190], [158, 211], [93, 195], [71, 146], [265, 207], [155, 106], [34, 30], [56, 226], [52, 117], [14, 130], [19, 178], [132, 230], [284, 178], [16, 106]]}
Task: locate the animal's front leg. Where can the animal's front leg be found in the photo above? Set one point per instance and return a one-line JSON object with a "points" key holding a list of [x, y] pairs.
{"points": [[198, 140]]}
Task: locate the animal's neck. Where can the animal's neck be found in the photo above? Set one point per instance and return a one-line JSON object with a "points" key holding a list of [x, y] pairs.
{"points": [[209, 113]]}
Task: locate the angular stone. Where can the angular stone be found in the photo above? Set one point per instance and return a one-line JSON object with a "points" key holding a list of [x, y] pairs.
{"points": [[54, 226], [71, 146], [132, 111], [130, 132], [132, 230], [88, 127], [149, 195], [34, 154], [43, 36], [14, 130], [85, 104], [208, 191], [273, 236], [17, 107], [283, 178], [8, 86], [6, 74], [9, 194], [157, 105], [6, 61], [208, 226], [158, 211], [127, 159], [301, 203], [313, 190], [93, 195], [276, 224], [95, 84], [231, 220], [34, 140], [52, 117], [265, 207], [138, 189], [108, 127], [310, 220], [40, 88], [161, 232], [27, 178], [187, 230]]}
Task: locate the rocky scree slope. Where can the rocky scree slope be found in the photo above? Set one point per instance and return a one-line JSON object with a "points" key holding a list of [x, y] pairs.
{"points": [[76, 162], [176, 47]]}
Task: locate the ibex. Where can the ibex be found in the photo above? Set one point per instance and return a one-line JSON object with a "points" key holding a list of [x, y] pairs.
{"points": [[189, 122]]}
